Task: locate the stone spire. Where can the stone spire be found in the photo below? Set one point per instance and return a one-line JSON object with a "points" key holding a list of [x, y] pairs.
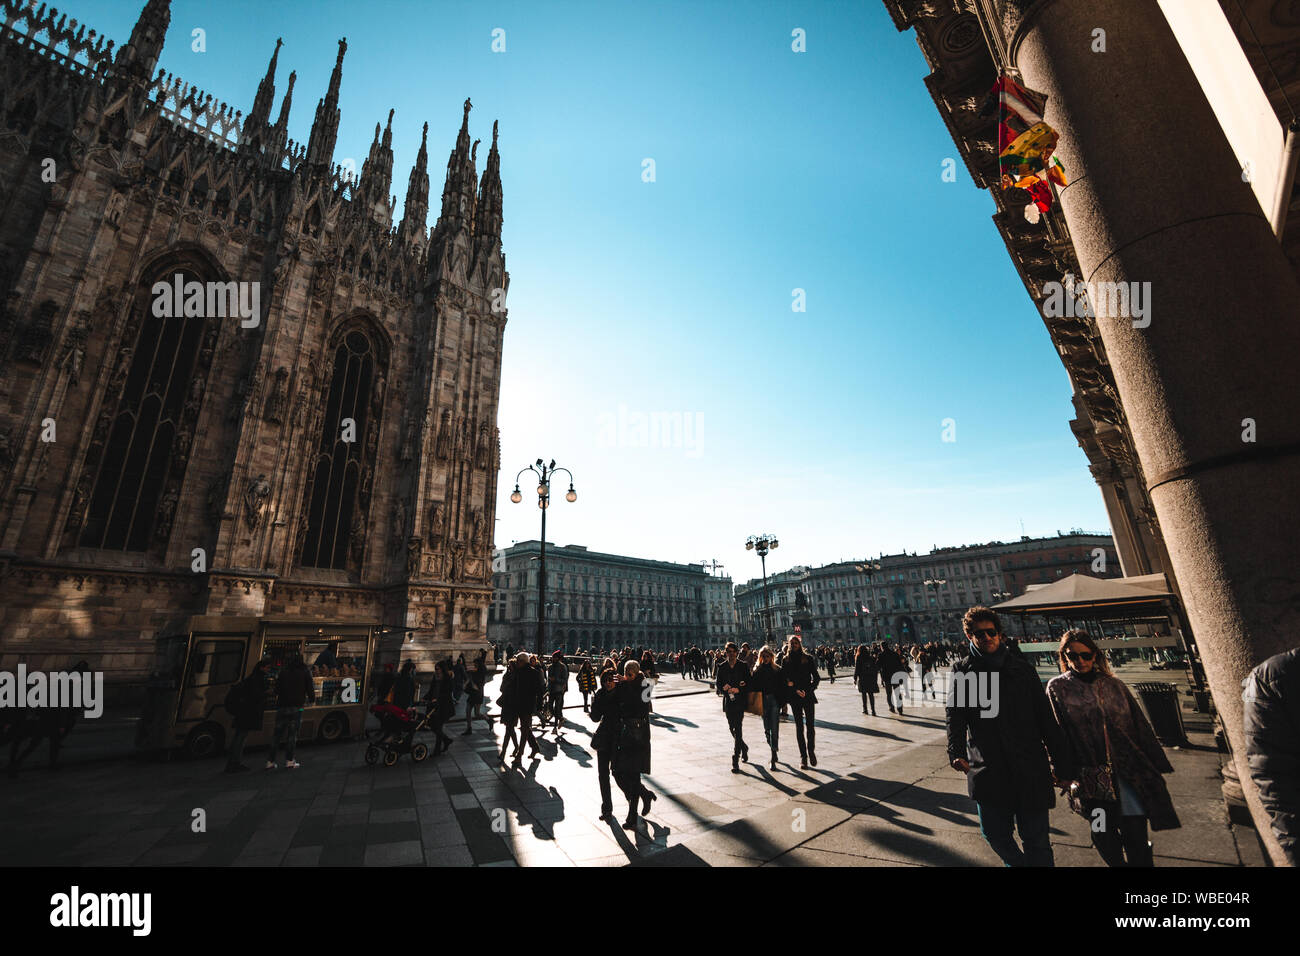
{"points": [[416, 211], [141, 52], [280, 133], [487, 216], [458, 190], [260, 115], [325, 128], [377, 177]]}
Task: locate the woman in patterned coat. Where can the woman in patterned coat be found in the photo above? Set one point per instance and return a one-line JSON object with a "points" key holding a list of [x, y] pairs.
{"points": [[1106, 729]]}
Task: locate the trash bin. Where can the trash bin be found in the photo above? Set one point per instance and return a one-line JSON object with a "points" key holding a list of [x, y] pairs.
{"points": [[1161, 703]]}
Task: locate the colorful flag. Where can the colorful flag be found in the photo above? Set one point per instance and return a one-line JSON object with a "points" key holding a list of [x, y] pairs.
{"points": [[1025, 142]]}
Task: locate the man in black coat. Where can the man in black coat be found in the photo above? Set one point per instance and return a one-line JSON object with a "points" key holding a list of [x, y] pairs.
{"points": [[733, 675], [294, 689], [999, 722], [801, 679], [247, 703], [527, 689], [893, 674], [1271, 722], [632, 758]]}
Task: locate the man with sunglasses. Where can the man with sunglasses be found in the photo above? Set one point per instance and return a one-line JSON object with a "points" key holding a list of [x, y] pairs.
{"points": [[1001, 732]]}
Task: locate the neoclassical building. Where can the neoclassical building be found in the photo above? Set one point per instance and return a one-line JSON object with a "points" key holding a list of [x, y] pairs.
{"points": [[329, 457], [598, 600]]}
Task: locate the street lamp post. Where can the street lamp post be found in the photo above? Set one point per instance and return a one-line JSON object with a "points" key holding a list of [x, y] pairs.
{"points": [[550, 620], [543, 473], [934, 584], [762, 543], [871, 569], [645, 626]]}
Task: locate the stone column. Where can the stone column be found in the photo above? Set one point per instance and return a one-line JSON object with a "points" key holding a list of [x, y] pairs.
{"points": [[1156, 195]]}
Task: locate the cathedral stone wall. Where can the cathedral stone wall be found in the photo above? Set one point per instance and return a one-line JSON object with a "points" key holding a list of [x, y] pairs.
{"points": [[330, 458]]}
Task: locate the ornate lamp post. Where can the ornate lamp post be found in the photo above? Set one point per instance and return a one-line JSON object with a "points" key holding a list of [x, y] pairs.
{"points": [[871, 569], [762, 543], [934, 584], [543, 473], [645, 626]]}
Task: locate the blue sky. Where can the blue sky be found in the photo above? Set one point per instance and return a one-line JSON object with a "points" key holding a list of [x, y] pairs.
{"points": [[774, 170]]}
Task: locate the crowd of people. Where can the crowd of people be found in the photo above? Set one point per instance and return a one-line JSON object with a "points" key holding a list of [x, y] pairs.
{"points": [[1082, 736]]}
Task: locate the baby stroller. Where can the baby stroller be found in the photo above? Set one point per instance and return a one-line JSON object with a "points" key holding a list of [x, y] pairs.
{"points": [[397, 730]]}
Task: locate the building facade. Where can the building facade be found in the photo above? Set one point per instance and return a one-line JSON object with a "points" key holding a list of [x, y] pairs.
{"points": [[720, 610], [597, 600], [851, 606], [327, 454]]}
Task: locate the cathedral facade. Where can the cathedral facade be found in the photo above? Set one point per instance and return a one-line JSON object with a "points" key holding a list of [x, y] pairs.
{"points": [[307, 432]]}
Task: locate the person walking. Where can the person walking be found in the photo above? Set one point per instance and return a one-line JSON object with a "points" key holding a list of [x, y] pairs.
{"points": [[476, 679], [766, 680], [893, 672], [404, 688], [294, 689], [459, 673], [586, 683], [1001, 733], [441, 702], [557, 683], [801, 680], [1118, 757], [830, 666], [530, 685], [632, 757], [865, 674], [733, 680], [247, 704], [604, 710], [925, 663], [509, 715], [1272, 729]]}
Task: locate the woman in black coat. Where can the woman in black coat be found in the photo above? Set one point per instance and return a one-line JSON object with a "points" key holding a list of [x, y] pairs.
{"points": [[801, 680], [865, 674], [604, 710], [632, 758], [441, 703]]}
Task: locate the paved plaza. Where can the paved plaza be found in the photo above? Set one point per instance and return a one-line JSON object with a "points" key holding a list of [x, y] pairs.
{"points": [[882, 795]]}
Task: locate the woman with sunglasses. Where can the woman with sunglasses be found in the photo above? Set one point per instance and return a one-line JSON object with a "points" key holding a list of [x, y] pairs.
{"points": [[1119, 759]]}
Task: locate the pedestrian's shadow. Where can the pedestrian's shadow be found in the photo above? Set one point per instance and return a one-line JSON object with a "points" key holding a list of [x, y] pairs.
{"points": [[675, 720], [648, 835], [763, 773], [576, 752], [526, 787], [858, 729], [661, 723]]}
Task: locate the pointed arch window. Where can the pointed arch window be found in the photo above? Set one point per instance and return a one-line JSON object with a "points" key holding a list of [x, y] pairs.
{"points": [[126, 497], [338, 492]]}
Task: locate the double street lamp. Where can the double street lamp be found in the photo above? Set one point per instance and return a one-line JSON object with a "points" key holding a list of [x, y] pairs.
{"points": [[871, 569], [544, 473], [645, 625], [934, 584], [762, 543]]}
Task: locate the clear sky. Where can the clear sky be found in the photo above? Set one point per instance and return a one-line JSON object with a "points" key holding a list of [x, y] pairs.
{"points": [[774, 171]]}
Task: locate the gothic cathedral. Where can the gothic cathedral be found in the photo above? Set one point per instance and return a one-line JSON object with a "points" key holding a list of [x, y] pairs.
{"points": [[309, 435]]}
